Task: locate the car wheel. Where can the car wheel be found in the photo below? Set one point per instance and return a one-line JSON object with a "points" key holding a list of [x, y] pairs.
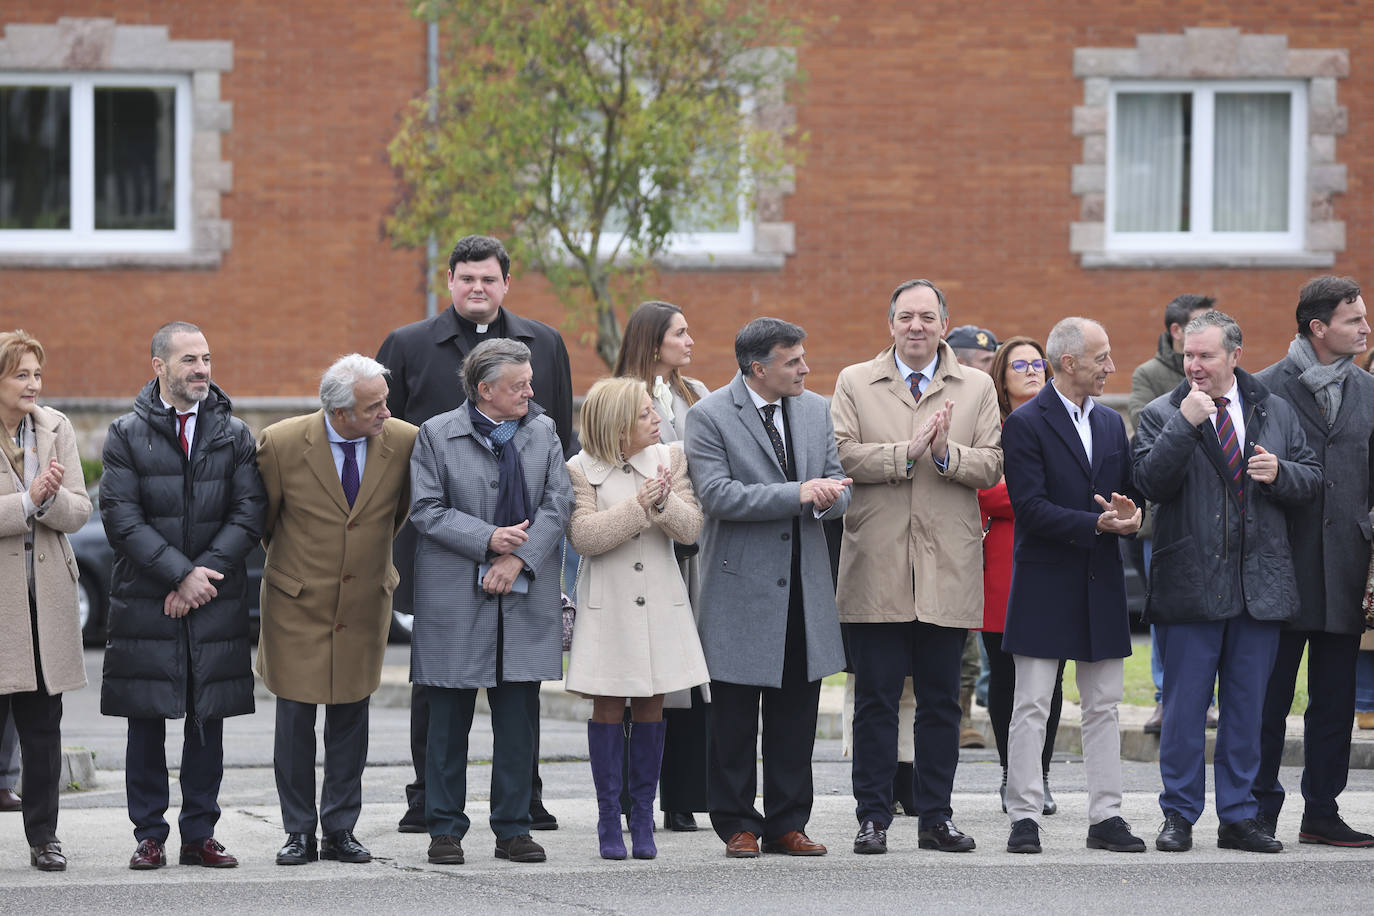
{"points": [[401, 626], [90, 613]]}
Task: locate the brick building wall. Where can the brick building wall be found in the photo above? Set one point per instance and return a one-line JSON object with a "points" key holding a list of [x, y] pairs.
{"points": [[941, 145]]}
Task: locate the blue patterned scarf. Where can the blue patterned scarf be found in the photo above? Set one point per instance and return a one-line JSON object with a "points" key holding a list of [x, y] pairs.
{"points": [[511, 508]]}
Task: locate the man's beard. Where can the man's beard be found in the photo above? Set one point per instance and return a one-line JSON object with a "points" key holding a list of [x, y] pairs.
{"points": [[182, 389]]}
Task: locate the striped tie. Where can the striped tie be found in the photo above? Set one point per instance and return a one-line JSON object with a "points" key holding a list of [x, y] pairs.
{"points": [[913, 382], [1230, 447]]}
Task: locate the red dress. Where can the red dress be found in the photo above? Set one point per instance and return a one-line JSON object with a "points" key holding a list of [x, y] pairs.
{"points": [[998, 523]]}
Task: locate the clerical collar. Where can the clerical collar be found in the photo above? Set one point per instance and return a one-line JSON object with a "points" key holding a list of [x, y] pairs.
{"points": [[494, 328]]}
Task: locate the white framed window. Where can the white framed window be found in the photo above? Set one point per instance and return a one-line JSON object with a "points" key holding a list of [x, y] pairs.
{"points": [[1213, 165], [95, 162]]}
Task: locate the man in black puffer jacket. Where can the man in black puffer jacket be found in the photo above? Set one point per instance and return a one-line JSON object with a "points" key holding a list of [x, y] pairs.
{"points": [[183, 506]]}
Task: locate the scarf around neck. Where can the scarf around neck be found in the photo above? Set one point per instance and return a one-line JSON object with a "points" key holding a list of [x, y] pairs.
{"points": [[1324, 381], [511, 508]]}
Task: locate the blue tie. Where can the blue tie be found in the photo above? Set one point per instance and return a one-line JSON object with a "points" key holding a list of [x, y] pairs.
{"points": [[349, 478]]}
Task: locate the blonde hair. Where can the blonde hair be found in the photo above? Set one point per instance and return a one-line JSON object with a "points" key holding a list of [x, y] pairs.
{"points": [[13, 347], [609, 412]]}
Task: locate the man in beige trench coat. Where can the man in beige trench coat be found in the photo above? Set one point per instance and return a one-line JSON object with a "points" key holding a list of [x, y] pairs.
{"points": [[920, 435], [338, 490]]}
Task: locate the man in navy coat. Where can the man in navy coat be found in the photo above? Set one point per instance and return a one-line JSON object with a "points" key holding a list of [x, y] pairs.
{"points": [[1068, 469]]}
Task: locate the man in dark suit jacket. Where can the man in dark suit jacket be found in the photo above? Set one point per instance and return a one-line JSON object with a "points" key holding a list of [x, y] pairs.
{"points": [[1068, 467], [1334, 401], [426, 359], [761, 454]]}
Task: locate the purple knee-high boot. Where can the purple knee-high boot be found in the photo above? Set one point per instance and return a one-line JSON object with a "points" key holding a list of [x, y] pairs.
{"points": [[606, 748], [646, 756]]}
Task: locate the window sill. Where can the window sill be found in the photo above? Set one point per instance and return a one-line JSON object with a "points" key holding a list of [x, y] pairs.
{"points": [[1142, 260], [183, 260], [722, 261]]}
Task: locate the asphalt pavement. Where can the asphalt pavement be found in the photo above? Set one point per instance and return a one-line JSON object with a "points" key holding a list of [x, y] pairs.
{"points": [[691, 874]]}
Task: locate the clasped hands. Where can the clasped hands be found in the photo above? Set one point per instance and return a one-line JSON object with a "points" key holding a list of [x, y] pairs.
{"points": [[503, 570], [1120, 516], [655, 491], [822, 492], [195, 590], [46, 484], [1198, 408], [933, 435]]}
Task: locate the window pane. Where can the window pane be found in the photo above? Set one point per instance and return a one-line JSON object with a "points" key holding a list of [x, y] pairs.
{"points": [[35, 157], [1250, 169], [1150, 174], [135, 165]]}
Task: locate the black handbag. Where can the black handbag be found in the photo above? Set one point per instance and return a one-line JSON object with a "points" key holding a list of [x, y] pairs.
{"points": [[685, 551]]}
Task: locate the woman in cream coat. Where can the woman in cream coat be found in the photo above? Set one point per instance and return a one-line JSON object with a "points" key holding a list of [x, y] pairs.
{"points": [[635, 637], [42, 498], [656, 348]]}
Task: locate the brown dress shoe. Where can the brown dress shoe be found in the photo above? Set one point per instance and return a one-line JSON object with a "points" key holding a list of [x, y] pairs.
{"points": [[743, 845], [208, 852], [48, 857], [149, 854], [794, 843], [10, 800]]}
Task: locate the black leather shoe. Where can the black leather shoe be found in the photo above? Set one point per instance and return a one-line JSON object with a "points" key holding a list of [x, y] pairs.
{"points": [[1332, 831], [520, 848], [48, 857], [1269, 823], [1025, 836], [540, 818], [343, 846], [10, 800], [299, 849], [1247, 836], [1114, 835], [1050, 805], [945, 837], [872, 839], [1175, 835], [679, 821], [413, 822]]}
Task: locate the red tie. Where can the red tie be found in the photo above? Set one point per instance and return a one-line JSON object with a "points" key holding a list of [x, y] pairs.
{"points": [[181, 432], [1230, 447]]}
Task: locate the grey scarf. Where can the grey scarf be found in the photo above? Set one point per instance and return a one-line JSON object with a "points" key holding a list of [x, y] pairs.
{"points": [[1323, 380]]}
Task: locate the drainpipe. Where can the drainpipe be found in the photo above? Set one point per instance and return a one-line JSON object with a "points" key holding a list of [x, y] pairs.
{"points": [[431, 244]]}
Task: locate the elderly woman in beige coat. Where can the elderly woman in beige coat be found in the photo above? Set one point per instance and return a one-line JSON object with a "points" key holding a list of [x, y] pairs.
{"points": [[42, 497], [635, 636]]}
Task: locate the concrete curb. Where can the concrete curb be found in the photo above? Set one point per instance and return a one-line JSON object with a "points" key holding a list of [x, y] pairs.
{"points": [[78, 771], [557, 703]]}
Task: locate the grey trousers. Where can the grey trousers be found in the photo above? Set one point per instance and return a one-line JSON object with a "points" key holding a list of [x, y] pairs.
{"points": [[1099, 686], [345, 756]]}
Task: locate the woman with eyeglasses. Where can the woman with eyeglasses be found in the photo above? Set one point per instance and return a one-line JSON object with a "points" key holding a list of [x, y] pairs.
{"points": [[1019, 371]]}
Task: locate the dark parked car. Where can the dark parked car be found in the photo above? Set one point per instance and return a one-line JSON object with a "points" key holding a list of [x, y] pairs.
{"points": [[94, 557]]}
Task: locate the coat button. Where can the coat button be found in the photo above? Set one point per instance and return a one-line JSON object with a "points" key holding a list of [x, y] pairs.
{"points": [[782, 583], [41, 557], [348, 577], [626, 469], [786, 536], [339, 628], [639, 567], [495, 484], [352, 525], [640, 601]]}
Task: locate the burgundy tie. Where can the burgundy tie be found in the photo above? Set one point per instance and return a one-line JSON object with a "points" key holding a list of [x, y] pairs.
{"points": [[914, 383], [1230, 446], [181, 432]]}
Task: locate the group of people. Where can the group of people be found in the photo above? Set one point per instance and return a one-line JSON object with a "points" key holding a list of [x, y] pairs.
{"points": [[957, 498]]}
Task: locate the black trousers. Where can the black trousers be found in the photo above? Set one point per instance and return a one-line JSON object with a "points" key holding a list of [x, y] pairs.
{"points": [[37, 717], [345, 756], [145, 778], [789, 736], [1002, 695], [686, 757], [419, 738], [882, 655], [1331, 661]]}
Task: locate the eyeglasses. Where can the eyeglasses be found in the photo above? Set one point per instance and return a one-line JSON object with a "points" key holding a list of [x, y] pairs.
{"points": [[1025, 365]]}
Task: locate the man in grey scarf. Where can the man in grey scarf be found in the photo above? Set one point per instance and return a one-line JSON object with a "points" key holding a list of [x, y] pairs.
{"points": [[1334, 401]]}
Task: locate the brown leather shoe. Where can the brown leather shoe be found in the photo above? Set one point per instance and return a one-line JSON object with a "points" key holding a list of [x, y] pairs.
{"points": [[48, 857], [743, 845], [794, 843], [10, 800], [1155, 723], [208, 852], [149, 854]]}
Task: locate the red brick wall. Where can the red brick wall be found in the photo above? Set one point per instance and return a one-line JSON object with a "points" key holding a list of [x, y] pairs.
{"points": [[940, 147]]}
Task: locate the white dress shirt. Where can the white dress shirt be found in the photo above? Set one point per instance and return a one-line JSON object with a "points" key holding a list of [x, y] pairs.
{"points": [[1079, 417], [190, 423]]}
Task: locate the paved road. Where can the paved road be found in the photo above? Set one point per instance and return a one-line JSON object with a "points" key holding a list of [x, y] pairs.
{"points": [[690, 876]]}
